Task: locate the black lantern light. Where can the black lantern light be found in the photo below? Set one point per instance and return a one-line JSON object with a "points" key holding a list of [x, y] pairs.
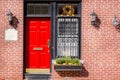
{"points": [[93, 18], [10, 17], [115, 21]]}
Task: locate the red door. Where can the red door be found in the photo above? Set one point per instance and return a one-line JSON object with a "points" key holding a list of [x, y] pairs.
{"points": [[37, 45]]}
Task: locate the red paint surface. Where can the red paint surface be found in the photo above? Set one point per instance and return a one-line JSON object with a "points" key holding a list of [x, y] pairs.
{"points": [[37, 36]]}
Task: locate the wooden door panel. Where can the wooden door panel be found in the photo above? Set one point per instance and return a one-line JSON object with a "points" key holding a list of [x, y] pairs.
{"points": [[43, 34], [42, 63], [37, 37], [47, 60], [34, 59], [33, 38]]}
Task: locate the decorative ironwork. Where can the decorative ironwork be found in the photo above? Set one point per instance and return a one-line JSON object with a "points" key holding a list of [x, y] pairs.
{"points": [[67, 37], [67, 27]]}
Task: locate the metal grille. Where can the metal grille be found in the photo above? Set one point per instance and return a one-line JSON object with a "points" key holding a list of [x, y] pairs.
{"points": [[67, 37]]}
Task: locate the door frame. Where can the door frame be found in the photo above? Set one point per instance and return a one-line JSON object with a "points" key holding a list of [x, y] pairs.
{"points": [[24, 35], [38, 70], [52, 17]]}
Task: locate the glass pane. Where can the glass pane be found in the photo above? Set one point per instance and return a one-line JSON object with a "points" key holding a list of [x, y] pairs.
{"points": [[67, 37], [38, 9], [67, 27], [67, 47], [67, 8], [45, 9], [30, 9]]}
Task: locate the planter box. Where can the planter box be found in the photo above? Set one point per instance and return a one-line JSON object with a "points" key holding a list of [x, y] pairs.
{"points": [[67, 67]]}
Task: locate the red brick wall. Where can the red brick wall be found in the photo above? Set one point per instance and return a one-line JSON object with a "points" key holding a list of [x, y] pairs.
{"points": [[11, 52], [100, 46]]}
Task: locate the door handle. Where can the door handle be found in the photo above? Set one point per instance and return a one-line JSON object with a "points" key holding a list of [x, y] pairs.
{"points": [[48, 43], [38, 48]]}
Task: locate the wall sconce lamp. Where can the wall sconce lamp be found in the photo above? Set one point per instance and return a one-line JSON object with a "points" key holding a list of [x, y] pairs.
{"points": [[10, 15], [116, 22], [94, 19]]}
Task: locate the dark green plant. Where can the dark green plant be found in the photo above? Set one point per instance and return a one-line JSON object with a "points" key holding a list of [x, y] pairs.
{"points": [[75, 61], [60, 60]]}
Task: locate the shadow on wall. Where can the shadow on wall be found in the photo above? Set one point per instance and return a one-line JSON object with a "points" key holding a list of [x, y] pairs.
{"points": [[98, 23], [15, 22], [82, 73], [118, 28]]}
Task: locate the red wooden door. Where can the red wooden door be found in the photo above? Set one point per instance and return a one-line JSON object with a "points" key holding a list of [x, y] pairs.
{"points": [[37, 44]]}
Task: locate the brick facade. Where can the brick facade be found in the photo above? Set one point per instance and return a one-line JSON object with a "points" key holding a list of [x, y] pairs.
{"points": [[11, 52], [100, 45]]}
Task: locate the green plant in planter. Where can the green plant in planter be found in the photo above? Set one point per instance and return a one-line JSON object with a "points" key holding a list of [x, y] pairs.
{"points": [[67, 60], [60, 60], [75, 61]]}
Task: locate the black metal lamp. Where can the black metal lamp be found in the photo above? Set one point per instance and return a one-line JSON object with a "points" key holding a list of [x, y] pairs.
{"points": [[9, 14], [93, 19], [115, 21]]}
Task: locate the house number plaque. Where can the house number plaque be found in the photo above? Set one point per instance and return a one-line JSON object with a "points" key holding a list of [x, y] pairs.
{"points": [[11, 34]]}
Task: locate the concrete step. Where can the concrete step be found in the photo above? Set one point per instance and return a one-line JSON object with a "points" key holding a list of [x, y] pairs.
{"points": [[37, 76]]}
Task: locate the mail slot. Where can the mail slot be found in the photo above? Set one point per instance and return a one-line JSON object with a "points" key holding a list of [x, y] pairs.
{"points": [[37, 48]]}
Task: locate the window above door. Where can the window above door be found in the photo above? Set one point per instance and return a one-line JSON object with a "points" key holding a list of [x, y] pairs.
{"points": [[38, 9]]}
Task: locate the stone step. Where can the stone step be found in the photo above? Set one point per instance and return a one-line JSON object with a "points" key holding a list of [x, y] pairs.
{"points": [[37, 76]]}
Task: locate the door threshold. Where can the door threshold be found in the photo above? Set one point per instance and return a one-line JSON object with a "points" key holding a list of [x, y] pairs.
{"points": [[37, 71]]}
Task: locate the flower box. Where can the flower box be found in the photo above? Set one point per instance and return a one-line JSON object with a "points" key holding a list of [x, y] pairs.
{"points": [[68, 67]]}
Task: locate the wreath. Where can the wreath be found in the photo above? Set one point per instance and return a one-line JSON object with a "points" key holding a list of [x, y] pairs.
{"points": [[68, 10]]}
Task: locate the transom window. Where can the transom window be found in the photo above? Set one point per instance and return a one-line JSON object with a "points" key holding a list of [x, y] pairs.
{"points": [[38, 9], [67, 7]]}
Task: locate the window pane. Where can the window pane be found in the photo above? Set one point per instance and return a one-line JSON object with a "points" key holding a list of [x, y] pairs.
{"points": [[67, 37], [30, 9], [67, 27], [67, 47], [61, 8], [45, 9], [38, 9]]}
